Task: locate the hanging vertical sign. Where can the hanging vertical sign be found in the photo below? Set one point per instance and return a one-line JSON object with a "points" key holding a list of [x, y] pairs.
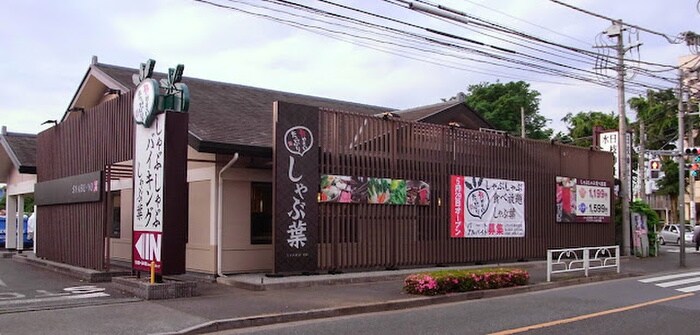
{"points": [[295, 188], [160, 179], [608, 141]]}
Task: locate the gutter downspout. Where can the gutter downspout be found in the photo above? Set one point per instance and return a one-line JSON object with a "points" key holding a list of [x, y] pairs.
{"points": [[219, 214]]}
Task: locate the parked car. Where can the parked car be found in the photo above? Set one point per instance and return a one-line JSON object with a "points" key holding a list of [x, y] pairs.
{"points": [[670, 233], [28, 241]]}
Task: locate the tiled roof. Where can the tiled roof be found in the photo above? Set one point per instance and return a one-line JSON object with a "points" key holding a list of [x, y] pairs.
{"points": [[229, 116], [22, 150], [444, 112], [419, 113]]}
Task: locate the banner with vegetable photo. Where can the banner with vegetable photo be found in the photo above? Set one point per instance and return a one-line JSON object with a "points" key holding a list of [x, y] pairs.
{"points": [[484, 207], [351, 189]]}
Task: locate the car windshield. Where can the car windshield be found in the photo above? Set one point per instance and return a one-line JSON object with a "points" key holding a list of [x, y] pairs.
{"points": [[688, 229]]}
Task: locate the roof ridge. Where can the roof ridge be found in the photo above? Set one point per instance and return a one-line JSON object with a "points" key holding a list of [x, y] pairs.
{"points": [[15, 134], [249, 87]]}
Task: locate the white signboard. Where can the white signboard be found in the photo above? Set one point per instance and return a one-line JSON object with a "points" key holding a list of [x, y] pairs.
{"points": [[593, 201], [608, 142], [148, 193], [485, 207]]}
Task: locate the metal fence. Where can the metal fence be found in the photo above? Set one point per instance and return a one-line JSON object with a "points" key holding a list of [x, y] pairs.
{"points": [[365, 236]]}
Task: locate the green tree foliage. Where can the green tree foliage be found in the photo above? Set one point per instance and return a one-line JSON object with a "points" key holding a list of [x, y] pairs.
{"points": [[652, 223], [500, 105], [659, 111], [580, 127], [668, 185]]}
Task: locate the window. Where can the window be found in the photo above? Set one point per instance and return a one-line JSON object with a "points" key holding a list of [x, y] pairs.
{"points": [[261, 213], [116, 228]]}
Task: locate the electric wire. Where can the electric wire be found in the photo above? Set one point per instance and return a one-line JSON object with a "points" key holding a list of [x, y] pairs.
{"points": [[534, 63]]}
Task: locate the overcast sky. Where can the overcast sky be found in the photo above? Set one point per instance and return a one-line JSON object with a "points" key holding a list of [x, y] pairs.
{"points": [[46, 47]]}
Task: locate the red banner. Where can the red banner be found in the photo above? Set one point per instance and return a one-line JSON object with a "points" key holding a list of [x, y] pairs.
{"points": [[147, 248], [457, 206]]}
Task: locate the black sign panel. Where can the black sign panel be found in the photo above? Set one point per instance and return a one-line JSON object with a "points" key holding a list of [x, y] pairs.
{"points": [[70, 190], [296, 188]]}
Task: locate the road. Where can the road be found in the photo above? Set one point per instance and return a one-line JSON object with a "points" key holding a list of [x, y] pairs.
{"points": [[650, 305], [27, 288]]}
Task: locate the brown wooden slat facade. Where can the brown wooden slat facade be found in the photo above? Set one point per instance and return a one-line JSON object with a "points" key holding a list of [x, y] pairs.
{"points": [[365, 236], [75, 233]]}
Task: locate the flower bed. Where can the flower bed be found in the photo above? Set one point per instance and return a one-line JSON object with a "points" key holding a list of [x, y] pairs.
{"points": [[441, 282]]}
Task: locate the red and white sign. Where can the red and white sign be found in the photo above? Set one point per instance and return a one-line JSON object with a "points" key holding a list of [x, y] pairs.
{"points": [[484, 207], [149, 155], [457, 212], [147, 249]]}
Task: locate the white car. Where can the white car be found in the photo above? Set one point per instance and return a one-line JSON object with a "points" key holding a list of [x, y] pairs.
{"points": [[669, 233]]}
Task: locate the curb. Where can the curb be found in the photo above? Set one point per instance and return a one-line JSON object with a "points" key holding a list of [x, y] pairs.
{"points": [[88, 275], [247, 285], [269, 319]]}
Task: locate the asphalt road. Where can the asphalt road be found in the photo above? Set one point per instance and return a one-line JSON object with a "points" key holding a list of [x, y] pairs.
{"points": [[649, 305], [27, 288]]}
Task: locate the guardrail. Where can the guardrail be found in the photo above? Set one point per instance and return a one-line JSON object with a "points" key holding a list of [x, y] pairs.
{"points": [[582, 259]]}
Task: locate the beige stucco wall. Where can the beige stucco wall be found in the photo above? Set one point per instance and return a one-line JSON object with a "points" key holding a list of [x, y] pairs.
{"points": [[20, 183], [201, 254], [238, 255]]}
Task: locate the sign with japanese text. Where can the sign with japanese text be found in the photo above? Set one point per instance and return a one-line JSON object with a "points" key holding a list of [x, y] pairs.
{"points": [[484, 207], [160, 194], [149, 155], [70, 190], [608, 142], [295, 188], [582, 200]]}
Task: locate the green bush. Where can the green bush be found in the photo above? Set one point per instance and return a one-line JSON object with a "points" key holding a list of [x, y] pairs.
{"points": [[441, 282]]}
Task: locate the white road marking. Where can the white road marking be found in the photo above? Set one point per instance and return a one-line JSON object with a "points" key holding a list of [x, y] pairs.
{"points": [[662, 278], [68, 297], [679, 282], [2, 283], [689, 289]]}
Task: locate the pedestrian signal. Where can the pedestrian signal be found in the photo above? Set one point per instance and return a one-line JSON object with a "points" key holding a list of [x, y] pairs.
{"points": [[656, 164]]}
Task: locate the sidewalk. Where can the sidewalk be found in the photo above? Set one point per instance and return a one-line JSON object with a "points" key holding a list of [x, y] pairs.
{"points": [[221, 307]]}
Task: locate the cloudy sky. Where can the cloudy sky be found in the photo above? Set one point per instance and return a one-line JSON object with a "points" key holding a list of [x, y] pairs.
{"points": [[46, 47]]}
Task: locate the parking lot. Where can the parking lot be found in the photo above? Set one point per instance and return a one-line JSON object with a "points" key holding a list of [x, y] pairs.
{"points": [[24, 287]]}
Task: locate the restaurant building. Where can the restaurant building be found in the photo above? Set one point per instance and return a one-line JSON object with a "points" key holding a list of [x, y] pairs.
{"points": [[231, 177]]}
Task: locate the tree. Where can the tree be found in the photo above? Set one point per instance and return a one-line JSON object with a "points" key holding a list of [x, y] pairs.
{"points": [[668, 185], [659, 111], [580, 127], [500, 105]]}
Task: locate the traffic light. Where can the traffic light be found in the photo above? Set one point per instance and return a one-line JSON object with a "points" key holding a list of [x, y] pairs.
{"points": [[655, 164], [692, 151]]}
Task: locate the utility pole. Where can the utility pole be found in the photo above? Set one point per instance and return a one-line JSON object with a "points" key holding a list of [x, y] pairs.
{"points": [[522, 121], [691, 178], [641, 164], [681, 170], [616, 30]]}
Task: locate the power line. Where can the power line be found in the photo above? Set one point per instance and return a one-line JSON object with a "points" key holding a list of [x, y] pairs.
{"points": [[674, 40], [379, 35]]}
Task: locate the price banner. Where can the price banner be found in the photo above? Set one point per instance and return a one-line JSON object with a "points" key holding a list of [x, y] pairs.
{"points": [[582, 200]]}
